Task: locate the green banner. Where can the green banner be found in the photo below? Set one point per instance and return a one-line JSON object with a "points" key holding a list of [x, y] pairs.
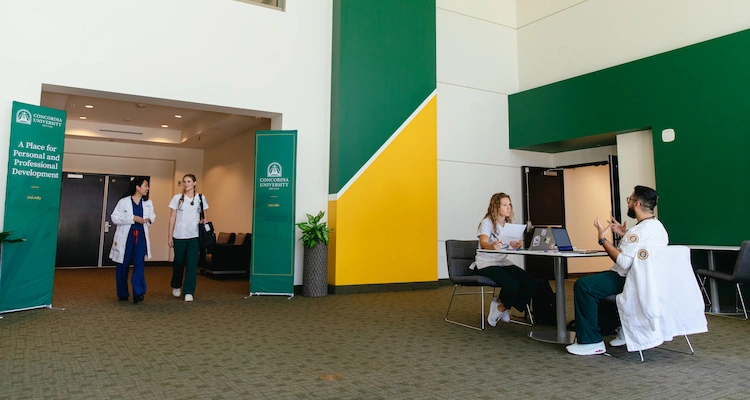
{"points": [[272, 266], [32, 206]]}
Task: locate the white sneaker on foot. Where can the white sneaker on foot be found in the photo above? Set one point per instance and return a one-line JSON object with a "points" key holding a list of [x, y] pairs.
{"points": [[619, 340], [587, 349], [496, 315], [188, 297], [176, 292]]}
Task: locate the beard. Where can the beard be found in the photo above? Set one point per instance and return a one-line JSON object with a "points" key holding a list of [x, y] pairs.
{"points": [[631, 212]]}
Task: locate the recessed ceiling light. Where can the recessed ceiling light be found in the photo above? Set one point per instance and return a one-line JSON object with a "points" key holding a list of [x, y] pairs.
{"points": [[165, 126], [178, 116], [82, 117], [89, 106]]}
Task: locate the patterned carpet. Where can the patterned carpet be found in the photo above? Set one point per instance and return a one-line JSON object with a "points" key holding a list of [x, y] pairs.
{"points": [[379, 346]]}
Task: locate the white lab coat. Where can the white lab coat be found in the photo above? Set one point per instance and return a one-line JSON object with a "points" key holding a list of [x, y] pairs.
{"points": [[122, 216], [661, 298]]}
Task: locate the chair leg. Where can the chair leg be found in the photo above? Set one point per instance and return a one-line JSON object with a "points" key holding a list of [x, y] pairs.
{"points": [[528, 316], [689, 345], [482, 293], [702, 281], [739, 293]]}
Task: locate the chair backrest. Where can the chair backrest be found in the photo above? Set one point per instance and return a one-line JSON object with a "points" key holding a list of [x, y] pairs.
{"points": [[239, 240], [225, 238], [742, 266], [460, 254]]}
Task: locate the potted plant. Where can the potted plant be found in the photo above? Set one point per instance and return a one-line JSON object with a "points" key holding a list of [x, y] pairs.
{"points": [[315, 263]]}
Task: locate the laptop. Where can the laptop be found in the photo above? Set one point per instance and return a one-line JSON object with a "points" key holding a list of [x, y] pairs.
{"points": [[563, 242], [542, 240]]}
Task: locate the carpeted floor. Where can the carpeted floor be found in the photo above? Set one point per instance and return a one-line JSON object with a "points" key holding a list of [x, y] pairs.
{"points": [[379, 346]]}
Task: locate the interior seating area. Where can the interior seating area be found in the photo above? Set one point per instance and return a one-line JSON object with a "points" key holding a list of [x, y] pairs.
{"points": [[231, 255]]}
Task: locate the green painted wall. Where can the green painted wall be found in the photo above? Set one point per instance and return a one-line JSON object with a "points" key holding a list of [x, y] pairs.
{"points": [[383, 69], [702, 91]]}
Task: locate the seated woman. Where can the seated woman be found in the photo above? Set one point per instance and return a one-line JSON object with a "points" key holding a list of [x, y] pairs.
{"points": [[517, 285]]}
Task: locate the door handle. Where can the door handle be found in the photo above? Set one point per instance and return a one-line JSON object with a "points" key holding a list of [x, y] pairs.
{"points": [[107, 225]]}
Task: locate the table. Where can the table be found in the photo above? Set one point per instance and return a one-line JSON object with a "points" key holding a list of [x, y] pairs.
{"points": [[715, 309], [562, 335]]}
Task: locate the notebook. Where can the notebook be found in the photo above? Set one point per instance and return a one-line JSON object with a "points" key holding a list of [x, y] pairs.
{"points": [[542, 240], [563, 242]]}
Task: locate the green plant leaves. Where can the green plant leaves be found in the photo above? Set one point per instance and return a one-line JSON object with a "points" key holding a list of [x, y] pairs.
{"points": [[4, 238], [313, 231]]}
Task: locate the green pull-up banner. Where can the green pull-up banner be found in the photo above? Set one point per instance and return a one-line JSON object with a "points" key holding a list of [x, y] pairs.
{"points": [[32, 207], [272, 264]]}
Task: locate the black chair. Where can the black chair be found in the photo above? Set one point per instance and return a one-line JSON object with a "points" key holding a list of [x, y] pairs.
{"points": [[206, 259], [232, 258], [739, 277], [460, 254]]}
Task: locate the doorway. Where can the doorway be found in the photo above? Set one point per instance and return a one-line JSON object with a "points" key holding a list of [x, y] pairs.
{"points": [[570, 197], [85, 232]]}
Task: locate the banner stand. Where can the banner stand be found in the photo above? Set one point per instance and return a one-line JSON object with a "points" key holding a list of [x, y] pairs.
{"points": [[272, 259], [32, 207]]}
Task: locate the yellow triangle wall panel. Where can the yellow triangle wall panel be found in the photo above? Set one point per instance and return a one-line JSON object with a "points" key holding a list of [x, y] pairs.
{"points": [[386, 222]]}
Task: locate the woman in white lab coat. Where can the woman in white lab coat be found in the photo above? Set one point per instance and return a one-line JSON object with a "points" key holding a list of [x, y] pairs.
{"points": [[132, 215]]}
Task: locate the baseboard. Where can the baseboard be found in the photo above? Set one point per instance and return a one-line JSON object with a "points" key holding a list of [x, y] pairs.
{"points": [[386, 287]]}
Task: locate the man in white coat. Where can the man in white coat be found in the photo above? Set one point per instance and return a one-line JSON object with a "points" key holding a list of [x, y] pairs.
{"points": [[589, 290]]}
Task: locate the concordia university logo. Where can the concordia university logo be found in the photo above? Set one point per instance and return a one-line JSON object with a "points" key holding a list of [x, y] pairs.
{"points": [[273, 170], [23, 116]]}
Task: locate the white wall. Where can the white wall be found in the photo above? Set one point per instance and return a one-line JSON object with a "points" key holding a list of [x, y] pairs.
{"points": [[476, 71], [560, 39], [224, 53]]}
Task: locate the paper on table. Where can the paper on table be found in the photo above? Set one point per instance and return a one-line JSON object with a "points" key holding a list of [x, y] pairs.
{"points": [[512, 232]]}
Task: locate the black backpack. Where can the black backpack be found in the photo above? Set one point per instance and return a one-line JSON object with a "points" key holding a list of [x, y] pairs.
{"points": [[543, 304]]}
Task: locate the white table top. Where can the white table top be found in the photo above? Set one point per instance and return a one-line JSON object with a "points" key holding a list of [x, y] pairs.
{"points": [[709, 247], [550, 253]]}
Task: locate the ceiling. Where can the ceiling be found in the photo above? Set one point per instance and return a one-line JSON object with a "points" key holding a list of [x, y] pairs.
{"points": [[128, 119]]}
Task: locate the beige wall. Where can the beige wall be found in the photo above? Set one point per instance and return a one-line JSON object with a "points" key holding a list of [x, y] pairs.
{"points": [[636, 165], [586, 198], [229, 183]]}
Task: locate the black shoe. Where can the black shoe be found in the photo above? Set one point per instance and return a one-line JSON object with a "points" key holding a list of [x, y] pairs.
{"points": [[123, 299], [137, 299]]}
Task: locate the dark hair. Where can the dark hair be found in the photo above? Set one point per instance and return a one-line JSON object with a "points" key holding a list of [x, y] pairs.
{"points": [[647, 196], [137, 181]]}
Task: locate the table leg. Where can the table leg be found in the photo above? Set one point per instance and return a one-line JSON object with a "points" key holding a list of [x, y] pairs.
{"points": [[561, 335], [715, 308]]}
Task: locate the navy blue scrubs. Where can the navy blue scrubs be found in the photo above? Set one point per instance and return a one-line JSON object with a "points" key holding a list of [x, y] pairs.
{"points": [[135, 248]]}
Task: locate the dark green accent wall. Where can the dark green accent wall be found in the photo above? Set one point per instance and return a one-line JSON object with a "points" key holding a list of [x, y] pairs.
{"points": [[383, 69], [701, 91]]}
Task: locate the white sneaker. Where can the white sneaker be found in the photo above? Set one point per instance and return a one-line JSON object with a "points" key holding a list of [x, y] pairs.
{"points": [[188, 297], [587, 349], [176, 292], [619, 340], [496, 315]]}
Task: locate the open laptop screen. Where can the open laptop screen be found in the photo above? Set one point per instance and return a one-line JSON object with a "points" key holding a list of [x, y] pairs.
{"points": [[562, 239]]}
